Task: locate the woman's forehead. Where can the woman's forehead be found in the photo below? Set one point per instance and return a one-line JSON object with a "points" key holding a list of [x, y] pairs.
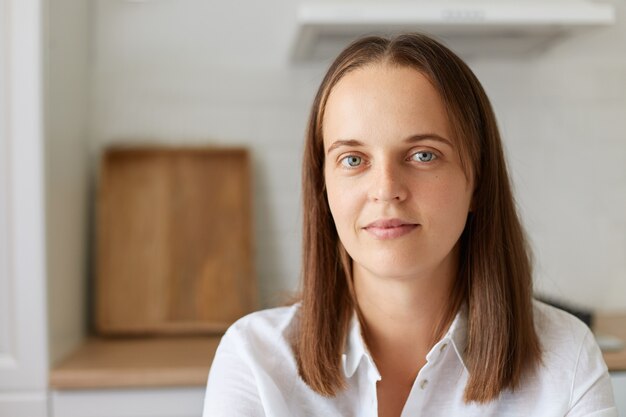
{"points": [[386, 100], [393, 102]]}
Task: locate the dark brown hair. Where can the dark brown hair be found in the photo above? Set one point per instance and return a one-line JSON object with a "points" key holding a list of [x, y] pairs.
{"points": [[494, 276]]}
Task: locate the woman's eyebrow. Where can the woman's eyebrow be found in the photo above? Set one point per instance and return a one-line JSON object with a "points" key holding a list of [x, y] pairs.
{"points": [[431, 136], [410, 139], [346, 142]]}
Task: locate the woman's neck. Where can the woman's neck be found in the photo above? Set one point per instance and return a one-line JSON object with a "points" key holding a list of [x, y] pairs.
{"points": [[399, 318], [401, 314]]}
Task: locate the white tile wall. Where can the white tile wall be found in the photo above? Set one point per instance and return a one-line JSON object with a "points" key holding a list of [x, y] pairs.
{"points": [[191, 71]]}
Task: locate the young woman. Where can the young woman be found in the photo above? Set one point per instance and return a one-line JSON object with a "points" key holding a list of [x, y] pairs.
{"points": [[417, 292]]}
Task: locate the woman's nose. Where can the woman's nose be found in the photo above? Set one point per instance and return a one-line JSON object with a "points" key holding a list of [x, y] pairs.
{"points": [[387, 184]]}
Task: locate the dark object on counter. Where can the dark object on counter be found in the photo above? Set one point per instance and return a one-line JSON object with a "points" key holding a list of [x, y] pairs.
{"points": [[583, 314]]}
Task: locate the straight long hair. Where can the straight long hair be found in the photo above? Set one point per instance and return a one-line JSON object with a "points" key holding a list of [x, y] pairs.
{"points": [[494, 276]]}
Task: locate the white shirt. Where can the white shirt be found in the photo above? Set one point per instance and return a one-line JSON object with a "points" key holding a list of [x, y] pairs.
{"points": [[254, 373]]}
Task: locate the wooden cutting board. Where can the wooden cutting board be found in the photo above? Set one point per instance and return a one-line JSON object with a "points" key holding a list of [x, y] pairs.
{"points": [[174, 241]]}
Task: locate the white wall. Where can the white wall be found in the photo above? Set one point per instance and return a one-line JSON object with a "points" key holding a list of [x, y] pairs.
{"points": [[67, 38], [193, 71]]}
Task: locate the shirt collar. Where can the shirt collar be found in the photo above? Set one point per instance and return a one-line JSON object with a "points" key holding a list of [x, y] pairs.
{"points": [[355, 349], [458, 333]]}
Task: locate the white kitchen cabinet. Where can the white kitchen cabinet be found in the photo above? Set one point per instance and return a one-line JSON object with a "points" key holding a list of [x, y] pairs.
{"points": [[162, 402]]}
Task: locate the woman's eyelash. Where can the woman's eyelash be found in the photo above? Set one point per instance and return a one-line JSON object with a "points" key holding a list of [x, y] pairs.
{"points": [[354, 161]]}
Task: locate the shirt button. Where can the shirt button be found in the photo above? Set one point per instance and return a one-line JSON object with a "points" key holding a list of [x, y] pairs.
{"points": [[423, 383], [443, 347]]}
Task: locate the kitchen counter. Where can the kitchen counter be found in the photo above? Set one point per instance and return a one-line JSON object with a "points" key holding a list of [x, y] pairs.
{"points": [[613, 324], [185, 361], [137, 362]]}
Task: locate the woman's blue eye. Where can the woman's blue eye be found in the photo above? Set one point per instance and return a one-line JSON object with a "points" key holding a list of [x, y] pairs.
{"points": [[424, 156], [351, 161]]}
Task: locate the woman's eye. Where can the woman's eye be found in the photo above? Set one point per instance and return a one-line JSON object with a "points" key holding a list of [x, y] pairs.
{"points": [[424, 156], [351, 161]]}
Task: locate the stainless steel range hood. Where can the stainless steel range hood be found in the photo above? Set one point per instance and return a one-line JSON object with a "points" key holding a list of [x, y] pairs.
{"points": [[469, 27]]}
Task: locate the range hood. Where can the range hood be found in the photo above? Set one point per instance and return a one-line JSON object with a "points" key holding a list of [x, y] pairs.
{"points": [[471, 28]]}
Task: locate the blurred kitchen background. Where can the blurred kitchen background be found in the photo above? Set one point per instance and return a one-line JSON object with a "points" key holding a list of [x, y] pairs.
{"points": [[78, 76]]}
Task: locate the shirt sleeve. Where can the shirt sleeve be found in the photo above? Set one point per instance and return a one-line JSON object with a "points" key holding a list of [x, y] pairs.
{"points": [[591, 392], [231, 389]]}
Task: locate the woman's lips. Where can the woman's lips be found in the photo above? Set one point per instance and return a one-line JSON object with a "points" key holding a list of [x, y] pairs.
{"points": [[389, 229]]}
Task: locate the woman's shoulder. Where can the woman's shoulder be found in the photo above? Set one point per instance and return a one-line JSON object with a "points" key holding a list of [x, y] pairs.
{"points": [[572, 366], [566, 342], [272, 317], [559, 331], [253, 365], [264, 327], [556, 326]]}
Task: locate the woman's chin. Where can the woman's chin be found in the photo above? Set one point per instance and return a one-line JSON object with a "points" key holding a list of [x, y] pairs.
{"points": [[394, 269]]}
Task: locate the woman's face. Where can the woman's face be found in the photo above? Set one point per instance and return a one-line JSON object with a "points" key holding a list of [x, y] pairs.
{"points": [[396, 188]]}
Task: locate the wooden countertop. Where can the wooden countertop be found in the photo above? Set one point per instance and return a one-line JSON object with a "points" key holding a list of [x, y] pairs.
{"points": [[614, 325], [185, 361], [148, 362]]}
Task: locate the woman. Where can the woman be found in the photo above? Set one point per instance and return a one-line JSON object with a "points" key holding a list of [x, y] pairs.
{"points": [[417, 293]]}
